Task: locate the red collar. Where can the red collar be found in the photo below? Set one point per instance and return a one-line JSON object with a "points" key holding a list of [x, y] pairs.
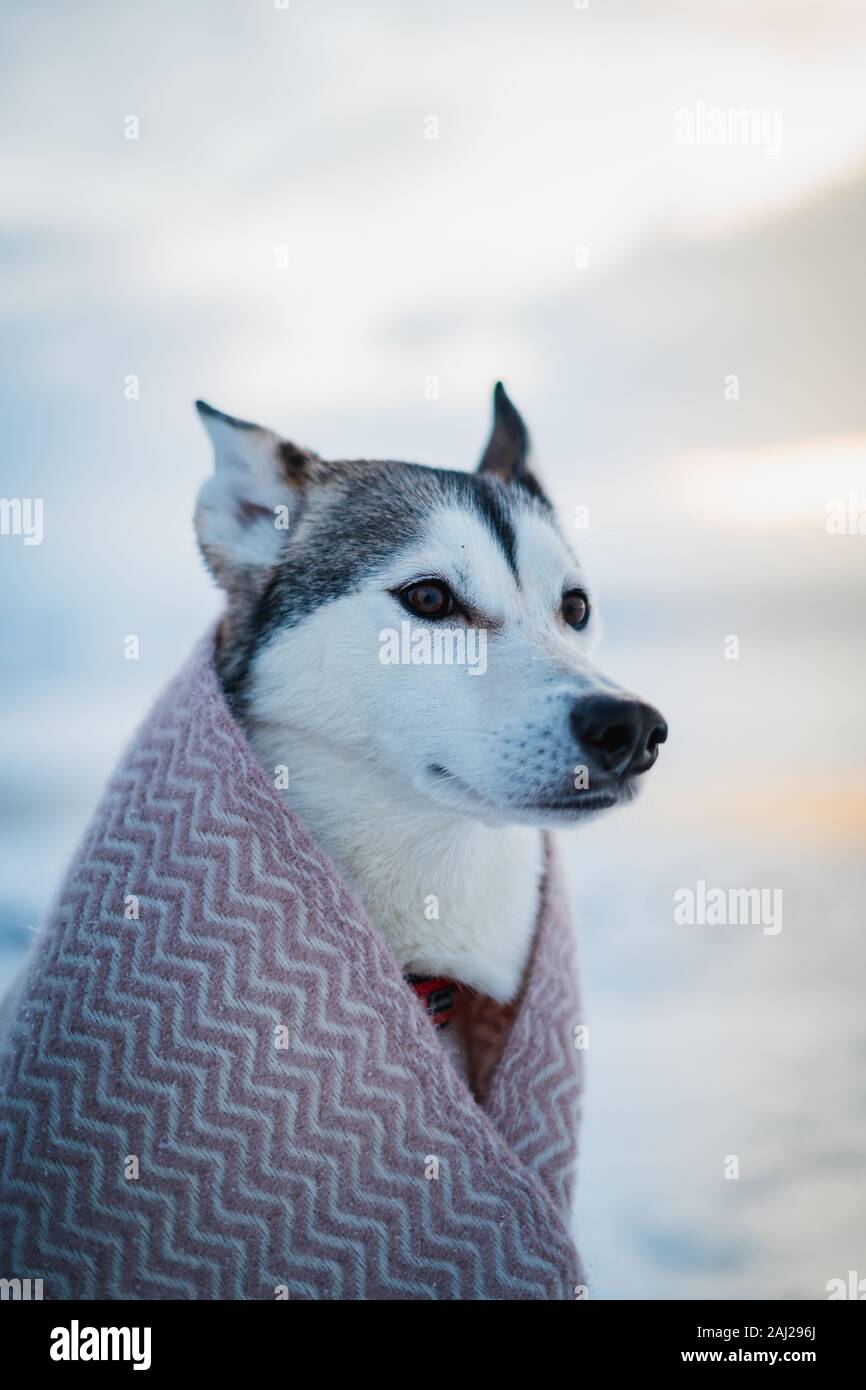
{"points": [[438, 996]]}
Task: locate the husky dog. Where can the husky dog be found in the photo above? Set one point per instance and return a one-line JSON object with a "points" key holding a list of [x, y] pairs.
{"points": [[428, 782]]}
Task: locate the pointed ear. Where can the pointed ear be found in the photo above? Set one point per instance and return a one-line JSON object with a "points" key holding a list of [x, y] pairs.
{"points": [[245, 508], [507, 454]]}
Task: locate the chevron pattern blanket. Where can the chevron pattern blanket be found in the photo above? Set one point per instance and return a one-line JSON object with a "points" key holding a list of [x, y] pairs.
{"points": [[216, 1084]]}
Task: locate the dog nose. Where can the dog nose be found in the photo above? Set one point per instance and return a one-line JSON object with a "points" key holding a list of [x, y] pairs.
{"points": [[624, 733]]}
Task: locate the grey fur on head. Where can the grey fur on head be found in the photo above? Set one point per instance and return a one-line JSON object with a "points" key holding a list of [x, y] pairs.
{"points": [[350, 516]]}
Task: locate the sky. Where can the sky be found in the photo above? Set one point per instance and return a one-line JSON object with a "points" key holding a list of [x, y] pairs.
{"points": [[346, 222]]}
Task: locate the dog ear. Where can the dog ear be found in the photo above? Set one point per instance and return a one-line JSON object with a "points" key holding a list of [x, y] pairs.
{"points": [[245, 507], [507, 454]]}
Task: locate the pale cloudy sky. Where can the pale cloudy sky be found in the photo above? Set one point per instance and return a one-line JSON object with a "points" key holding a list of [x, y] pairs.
{"points": [[407, 257]]}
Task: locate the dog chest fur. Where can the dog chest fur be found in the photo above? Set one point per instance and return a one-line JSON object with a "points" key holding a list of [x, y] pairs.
{"points": [[451, 895]]}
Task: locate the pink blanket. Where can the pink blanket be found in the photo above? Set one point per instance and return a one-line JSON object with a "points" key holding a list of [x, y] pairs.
{"points": [[216, 1083]]}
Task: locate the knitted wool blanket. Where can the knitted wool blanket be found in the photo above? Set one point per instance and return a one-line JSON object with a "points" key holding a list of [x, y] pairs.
{"points": [[216, 1083]]}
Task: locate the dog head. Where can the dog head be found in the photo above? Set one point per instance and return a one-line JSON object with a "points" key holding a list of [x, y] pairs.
{"points": [[432, 625]]}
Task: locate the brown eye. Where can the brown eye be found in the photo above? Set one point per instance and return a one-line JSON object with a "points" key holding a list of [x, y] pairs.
{"points": [[429, 599], [575, 609]]}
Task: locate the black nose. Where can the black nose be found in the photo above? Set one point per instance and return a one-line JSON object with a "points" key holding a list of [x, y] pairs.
{"points": [[625, 733]]}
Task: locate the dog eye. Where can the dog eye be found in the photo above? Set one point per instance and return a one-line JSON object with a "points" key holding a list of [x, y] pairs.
{"points": [[575, 609], [429, 599]]}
